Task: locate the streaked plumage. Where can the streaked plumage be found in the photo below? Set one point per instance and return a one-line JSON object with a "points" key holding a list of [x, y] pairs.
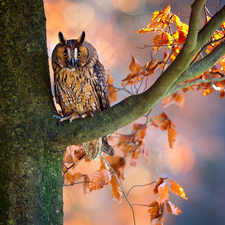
{"points": [[80, 85]]}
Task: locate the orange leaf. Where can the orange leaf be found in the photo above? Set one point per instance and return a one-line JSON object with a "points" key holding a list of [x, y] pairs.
{"points": [[77, 152], [163, 192], [171, 208], [86, 185], [172, 134], [159, 181], [174, 98], [116, 193], [141, 131], [71, 179], [118, 164], [135, 67], [113, 95], [156, 213], [177, 189], [100, 178]]}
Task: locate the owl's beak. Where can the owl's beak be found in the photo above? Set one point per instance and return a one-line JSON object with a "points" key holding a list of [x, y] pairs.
{"points": [[73, 62]]}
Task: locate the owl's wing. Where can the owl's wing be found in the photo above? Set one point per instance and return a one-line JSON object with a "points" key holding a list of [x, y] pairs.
{"points": [[100, 86], [103, 96]]}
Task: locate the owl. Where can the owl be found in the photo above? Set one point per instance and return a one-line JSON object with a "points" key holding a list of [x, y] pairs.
{"points": [[80, 86]]}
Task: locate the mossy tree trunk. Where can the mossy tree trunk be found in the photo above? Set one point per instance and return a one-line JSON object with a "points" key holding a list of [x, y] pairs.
{"points": [[31, 169]]}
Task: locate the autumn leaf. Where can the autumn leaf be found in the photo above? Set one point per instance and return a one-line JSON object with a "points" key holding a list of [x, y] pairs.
{"points": [[77, 152], [164, 123], [132, 78], [113, 95], [139, 130], [171, 208], [86, 185], [116, 193], [156, 213], [172, 134], [159, 21], [118, 164], [163, 193], [103, 165], [100, 178], [139, 149], [159, 181], [177, 189], [70, 179], [174, 98]]}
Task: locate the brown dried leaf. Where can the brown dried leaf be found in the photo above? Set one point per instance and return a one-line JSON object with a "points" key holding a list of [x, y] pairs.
{"points": [[86, 184], [118, 164], [177, 189], [113, 95], [172, 134], [159, 181], [77, 152], [100, 178], [156, 213], [71, 179], [171, 208], [141, 132], [116, 193], [174, 98], [163, 192], [133, 77]]}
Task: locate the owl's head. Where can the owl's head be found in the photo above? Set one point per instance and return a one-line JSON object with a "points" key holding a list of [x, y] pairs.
{"points": [[73, 53]]}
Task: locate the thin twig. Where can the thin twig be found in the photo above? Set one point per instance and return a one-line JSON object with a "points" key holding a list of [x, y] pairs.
{"points": [[120, 187], [140, 185], [140, 204]]}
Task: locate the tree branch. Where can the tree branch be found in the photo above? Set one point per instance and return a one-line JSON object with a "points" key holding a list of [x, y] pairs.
{"points": [[199, 67], [206, 32]]}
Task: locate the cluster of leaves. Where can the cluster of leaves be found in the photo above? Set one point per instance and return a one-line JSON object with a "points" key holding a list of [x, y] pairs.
{"points": [[133, 145], [156, 208], [101, 177]]}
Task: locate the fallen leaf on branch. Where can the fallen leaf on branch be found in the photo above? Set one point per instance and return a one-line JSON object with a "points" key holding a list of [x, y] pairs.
{"points": [[116, 193], [163, 193], [164, 123], [159, 181], [113, 95], [171, 208], [177, 189], [173, 98], [100, 178], [156, 213]]}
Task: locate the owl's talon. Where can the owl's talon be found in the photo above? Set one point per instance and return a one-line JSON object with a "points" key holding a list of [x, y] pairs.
{"points": [[58, 117], [87, 114]]}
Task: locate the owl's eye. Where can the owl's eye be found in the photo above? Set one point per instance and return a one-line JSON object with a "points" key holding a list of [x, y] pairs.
{"points": [[65, 55], [79, 54]]}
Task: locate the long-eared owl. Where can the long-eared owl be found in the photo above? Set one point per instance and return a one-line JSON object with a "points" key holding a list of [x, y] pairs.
{"points": [[80, 86]]}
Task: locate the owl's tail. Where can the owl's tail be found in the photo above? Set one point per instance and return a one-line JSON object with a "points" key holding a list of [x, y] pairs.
{"points": [[94, 147]]}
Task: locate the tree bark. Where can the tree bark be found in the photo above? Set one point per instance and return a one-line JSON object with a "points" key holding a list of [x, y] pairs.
{"points": [[30, 169]]}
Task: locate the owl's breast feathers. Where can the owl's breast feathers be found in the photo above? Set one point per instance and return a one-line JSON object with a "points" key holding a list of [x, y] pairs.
{"points": [[76, 91]]}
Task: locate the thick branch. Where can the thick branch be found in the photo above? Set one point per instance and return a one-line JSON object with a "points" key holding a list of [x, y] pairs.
{"points": [[200, 67], [206, 32]]}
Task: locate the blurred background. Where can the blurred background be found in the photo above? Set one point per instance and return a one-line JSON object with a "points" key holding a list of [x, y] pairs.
{"points": [[196, 161]]}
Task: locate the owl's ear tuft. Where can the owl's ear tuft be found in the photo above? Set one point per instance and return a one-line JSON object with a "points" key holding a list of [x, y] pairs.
{"points": [[81, 39], [62, 40]]}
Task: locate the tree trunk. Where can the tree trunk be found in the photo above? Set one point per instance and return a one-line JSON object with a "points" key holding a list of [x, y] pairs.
{"points": [[30, 175]]}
